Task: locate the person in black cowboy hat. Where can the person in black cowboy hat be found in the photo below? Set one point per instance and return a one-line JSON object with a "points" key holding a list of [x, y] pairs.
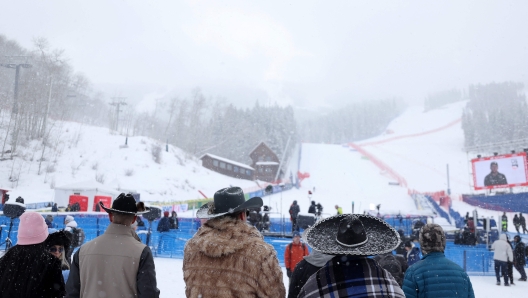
{"points": [[228, 257], [115, 258], [351, 238]]}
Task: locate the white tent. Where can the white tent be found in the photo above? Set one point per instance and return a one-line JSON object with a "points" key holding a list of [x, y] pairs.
{"points": [[89, 189]]}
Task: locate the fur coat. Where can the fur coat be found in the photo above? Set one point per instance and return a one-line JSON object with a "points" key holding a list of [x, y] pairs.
{"points": [[229, 258]]}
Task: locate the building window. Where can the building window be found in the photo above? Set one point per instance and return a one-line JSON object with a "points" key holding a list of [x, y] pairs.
{"points": [[268, 158], [267, 170], [248, 172], [260, 170], [215, 163], [235, 169], [229, 167], [222, 165]]}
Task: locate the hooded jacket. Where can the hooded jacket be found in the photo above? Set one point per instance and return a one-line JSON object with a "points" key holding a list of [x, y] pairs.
{"points": [[304, 269], [228, 258], [502, 249]]}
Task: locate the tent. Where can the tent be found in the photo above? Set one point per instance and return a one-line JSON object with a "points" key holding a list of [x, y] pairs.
{"points": [[88, 189]]}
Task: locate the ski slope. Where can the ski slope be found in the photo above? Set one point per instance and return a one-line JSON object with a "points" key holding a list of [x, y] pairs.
{"points": [[342, 176], [421, 147]]}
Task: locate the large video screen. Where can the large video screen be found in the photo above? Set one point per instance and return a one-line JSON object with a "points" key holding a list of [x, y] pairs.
{"points": [[499, 171]]}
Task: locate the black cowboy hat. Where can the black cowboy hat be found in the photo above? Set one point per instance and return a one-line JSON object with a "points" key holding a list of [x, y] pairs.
{"points": [[352, 234], [228, 201], [126, 204]]}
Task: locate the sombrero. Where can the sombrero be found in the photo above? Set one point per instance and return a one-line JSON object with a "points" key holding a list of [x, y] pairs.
{"points": [[228, 200], [126, 204], [352, 234]]}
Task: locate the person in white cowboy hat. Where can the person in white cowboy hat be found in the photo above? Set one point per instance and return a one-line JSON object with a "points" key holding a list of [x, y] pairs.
{"points": [[351, 238], [228, 257], [115, 264]]}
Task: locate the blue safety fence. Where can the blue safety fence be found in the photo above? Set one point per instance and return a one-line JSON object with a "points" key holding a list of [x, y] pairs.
{"points": [[476, 260]]}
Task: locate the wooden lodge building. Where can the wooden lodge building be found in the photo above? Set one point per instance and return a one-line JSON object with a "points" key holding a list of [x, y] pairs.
{"points": [[264, 167], [227, 167]]}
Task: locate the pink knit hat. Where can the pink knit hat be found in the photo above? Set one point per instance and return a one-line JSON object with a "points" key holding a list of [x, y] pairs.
{"points": [[32, 229]]}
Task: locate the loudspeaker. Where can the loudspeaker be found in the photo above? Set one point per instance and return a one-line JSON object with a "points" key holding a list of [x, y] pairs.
{"points": [[14, 209], [305, 221], [154, 213]]}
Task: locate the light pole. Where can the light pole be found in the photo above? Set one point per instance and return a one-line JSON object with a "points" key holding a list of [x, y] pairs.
{"points": [[17, 67]]}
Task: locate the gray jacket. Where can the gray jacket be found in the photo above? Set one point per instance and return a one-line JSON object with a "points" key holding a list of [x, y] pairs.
{"points": [[114, 258]]}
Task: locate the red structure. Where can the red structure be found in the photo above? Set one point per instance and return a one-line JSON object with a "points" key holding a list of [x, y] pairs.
{"points": [[107, 201], [82, 200]]}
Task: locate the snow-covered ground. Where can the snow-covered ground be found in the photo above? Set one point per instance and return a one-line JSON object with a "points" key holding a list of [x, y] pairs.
{"points": [[82, 153], [169, 275]]}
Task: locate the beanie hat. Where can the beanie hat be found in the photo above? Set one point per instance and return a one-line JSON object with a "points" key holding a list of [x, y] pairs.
{"points": [[432, 238], [408, 244], [49, 217], [296, 234], [68, 218], [32, 229], [166, 213]]}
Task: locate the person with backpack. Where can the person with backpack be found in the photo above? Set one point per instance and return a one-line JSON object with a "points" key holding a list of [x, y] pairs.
{"points": [[294, 212], [396, 265], [75, 233], [294, 253], [519, 256]]}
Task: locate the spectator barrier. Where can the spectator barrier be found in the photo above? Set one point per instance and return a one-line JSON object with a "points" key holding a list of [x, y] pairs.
{"points": [[476, 260], [517, 202]]}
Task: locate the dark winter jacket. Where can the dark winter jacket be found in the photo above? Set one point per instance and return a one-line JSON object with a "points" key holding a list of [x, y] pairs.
{"points": [[522, 220], [351, 276], [497, 179], [174, 223], [29, 271], [413, 256], [54, 208], [311, 209], [436, 276], [519, 257], [516, 220], [400, 250], [294, 210], [304, 269], [396, 265], [164, 225]]}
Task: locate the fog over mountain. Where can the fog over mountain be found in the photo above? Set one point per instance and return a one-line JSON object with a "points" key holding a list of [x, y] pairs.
{"points": [[303, 53]]}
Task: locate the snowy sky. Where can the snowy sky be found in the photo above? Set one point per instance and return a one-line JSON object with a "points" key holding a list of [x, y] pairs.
{"points": [[306, 53]]}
